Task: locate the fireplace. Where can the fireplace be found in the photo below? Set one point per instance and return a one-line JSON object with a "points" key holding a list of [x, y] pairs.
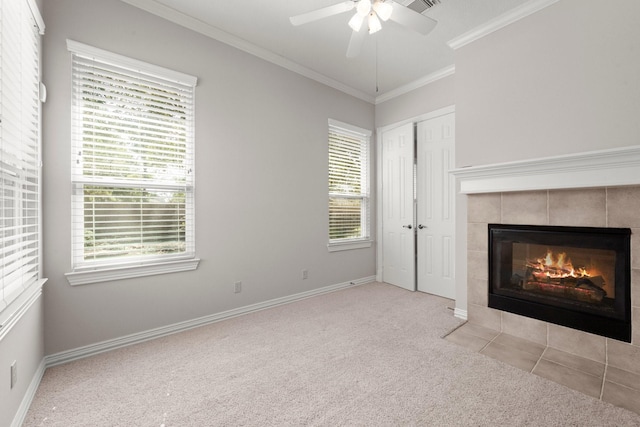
{"points": [[579, 277]]}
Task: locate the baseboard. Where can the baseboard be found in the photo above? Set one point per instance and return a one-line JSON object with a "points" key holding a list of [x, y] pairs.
{"points": [[21, 414], [101, 347], [460, 314]]}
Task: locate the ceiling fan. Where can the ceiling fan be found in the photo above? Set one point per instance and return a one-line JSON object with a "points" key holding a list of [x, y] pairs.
{"points": [[373, 12]]}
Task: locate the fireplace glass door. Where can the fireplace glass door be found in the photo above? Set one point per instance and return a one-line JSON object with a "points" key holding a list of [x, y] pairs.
{"points": [[573, 276]]}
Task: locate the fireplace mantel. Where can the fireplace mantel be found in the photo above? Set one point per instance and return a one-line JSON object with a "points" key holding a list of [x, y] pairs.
{"points": [[604, 168]]}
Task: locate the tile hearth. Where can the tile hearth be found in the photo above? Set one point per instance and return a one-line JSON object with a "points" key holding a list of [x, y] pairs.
{"points": [[598, 380]]}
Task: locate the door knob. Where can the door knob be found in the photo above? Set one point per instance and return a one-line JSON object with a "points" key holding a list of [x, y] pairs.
{"points": [[420, 226], [407, 226]]}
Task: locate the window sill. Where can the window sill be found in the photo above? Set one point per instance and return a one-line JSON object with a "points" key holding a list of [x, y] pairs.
{"points": [[77, 278], [346, 246], [13, 312]]}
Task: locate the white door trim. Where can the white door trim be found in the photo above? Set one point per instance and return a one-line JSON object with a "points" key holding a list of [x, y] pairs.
{"points": [[379, 132]]}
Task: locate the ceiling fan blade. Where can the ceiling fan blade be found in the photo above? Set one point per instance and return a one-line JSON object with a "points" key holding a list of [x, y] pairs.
{"points": [[356, 42], [412, 19], [324, 12]]}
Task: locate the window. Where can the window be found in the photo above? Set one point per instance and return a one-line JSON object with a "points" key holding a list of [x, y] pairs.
{"points": [[20, 23], [132, 167], [348, 186]]}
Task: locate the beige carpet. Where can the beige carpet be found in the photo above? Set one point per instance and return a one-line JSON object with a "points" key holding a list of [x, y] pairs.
{"points": [[366, 356]]}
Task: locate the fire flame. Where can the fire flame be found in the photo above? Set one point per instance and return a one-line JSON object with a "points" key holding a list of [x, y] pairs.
{"points": [[557, 267]]}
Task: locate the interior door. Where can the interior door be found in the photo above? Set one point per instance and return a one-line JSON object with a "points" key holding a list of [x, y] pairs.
{"points": [[398, 239], [435, 215]]}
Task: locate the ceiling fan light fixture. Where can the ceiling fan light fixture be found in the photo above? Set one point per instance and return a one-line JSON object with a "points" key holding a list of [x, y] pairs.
{"points": [[383, 9], [364, 7], [356, 22], [373, 11], [374, 23]]}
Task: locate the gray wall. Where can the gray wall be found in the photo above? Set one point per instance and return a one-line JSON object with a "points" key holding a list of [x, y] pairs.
{"points": [[24, 343], [559, 81], [564, 80], [428, 98], [261, 180]]}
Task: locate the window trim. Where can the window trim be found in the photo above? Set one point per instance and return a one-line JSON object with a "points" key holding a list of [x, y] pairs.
{"points": [[337, 245], [347, 246], [14, 304], [86, 277], [135, 267], [131, 63]]}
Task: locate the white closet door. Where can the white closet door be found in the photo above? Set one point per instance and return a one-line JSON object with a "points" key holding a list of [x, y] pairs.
{"points": [[436, 206], [398, 238]]}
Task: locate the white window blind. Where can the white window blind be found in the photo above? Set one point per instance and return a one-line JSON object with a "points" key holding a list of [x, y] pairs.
{"points": [[348, 183], [132, 161], [19, 148]]}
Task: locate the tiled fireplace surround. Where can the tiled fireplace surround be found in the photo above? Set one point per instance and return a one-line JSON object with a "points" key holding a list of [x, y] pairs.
{"points": [[604, 368]]}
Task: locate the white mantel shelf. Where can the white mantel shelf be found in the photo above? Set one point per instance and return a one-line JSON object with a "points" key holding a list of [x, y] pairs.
{"points": [[605, 168]]}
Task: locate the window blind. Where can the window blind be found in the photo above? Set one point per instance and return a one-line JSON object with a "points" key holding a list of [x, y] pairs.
{"points": [[132, 161], [348, 183], [19, 149]]}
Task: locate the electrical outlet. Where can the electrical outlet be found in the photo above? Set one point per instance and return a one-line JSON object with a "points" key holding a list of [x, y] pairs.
{"points": [[14, 373], [237, 287], [305, 274]]}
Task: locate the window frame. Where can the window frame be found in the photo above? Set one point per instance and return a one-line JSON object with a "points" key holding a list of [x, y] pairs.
{"points": [[21, 158], [364, 240], [85, 272]]}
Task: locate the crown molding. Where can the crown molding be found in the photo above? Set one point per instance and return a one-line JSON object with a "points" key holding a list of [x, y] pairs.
{"points": [[205, 29], [501, 21], [429, 78], [592, 169]]}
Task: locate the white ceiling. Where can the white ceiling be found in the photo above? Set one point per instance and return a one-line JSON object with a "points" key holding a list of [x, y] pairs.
{"points": [[391, 59]]}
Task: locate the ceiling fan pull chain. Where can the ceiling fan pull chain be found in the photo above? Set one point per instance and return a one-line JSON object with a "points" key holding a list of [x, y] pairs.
{"points": [[376, 65]]}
